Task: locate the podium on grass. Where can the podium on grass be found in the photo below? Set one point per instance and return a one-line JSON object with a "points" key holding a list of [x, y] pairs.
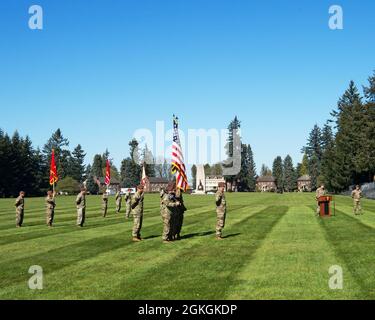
{"points": [[325, 206]]}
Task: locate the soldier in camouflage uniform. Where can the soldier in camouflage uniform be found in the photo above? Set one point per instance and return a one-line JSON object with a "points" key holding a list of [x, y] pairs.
{"points": [[81, 207], [179, 217], [128, 200], [168, 208], [104, 203], [357, 195], [137, 211], [221, 210], [320, 192], [50, 207], [20, 209], [118, 201]]}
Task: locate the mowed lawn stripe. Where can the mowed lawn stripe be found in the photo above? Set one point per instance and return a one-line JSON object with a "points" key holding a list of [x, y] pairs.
{"points": [[292, 263], [73, 235], [103, 275], [354, 242], [205, 270]]}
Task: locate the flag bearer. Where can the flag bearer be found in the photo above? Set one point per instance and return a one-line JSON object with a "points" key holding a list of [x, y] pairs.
{"points": [[137, 211], [20, 208], [81, 207], [50, 206]]}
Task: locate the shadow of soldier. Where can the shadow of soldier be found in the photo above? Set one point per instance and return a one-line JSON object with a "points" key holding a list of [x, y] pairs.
{"points": [[198, 234]]}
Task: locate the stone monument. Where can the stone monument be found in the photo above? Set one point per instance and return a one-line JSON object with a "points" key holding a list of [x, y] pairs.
{"points": [[201, 180]]}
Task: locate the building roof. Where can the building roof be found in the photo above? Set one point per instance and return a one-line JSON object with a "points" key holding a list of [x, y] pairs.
{"points": [[306, 177], [266, 179]]}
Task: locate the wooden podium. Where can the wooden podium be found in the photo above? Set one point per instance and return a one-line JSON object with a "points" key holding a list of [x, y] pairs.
{"points": [[325, 206]]}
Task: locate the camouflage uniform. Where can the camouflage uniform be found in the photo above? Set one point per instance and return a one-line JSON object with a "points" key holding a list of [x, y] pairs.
{"points": [[81, 209], [168, 209], [20, 208], [357, 195], [137, 211], [50, 206], [118, 201], [320, 192], [104, 204], [128, 199], [179, 214], [221, 211]]}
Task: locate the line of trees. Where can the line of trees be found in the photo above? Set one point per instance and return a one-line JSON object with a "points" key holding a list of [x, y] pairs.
{"points": [[24, 167], [342, 153]]}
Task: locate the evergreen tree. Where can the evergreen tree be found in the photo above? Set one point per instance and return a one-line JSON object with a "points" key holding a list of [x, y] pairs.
{"points": [[350, 120], [130, 167], [62, 155], [97, 166], [149, 162], [78, 167], [277, 172], [290, 176], [92, 185], [234, 148]]}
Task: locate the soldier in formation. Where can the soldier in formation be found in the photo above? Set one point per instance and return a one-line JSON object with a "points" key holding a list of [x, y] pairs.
{"points": [[137, 211], [50, 207], [128, 201], [20, 209], [320, 192], [118, 201], [81, 207], [357, 195], [179, 216], [104, 204], [221, 210], [169, 206]]}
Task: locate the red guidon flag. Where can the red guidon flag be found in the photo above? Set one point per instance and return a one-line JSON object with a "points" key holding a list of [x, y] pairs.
{"points": [[107, 180], [53, 177], [178, 166]]}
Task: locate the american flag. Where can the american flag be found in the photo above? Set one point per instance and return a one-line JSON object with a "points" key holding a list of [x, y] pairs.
{"points": [[178, 166]]}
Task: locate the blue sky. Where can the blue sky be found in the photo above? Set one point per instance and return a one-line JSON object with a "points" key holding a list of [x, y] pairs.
{"points": [[99, 69]]}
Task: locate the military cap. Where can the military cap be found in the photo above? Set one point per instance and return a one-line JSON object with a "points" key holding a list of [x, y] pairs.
{"points": [[140, 187], [221, 184]]}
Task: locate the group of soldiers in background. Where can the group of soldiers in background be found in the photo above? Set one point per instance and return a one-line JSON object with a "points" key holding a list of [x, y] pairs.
{"points": [[356, 195], [172, 210]]}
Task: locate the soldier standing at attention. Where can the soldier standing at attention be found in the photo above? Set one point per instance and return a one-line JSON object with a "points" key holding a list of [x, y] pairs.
{"points": [[320, 192], [168, 208], [104, 203], [50, 206], [221, 210], [20, 209], [181, 209], [128, 200], [118, 201], [137, 211], [357, 195], [81, 207]]}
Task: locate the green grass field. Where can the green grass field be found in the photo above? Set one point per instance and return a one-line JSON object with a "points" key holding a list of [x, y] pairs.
{"points": [[275, 248]]}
